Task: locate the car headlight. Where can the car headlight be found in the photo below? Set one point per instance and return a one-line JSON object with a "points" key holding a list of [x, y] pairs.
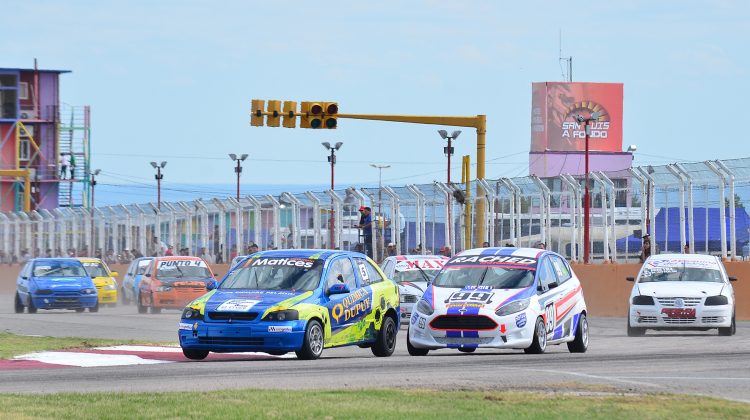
{"points": [[88, 291], [285, 315], [404, 296], [110, 287], [190, 313], [44, 292], [513, 307], [163, 288], [716, 300], [643, 300], [424, 307]]}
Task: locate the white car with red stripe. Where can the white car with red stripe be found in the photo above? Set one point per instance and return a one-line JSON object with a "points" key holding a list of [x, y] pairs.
{"points": [[412, 273], [516, 298], [682, 292]]}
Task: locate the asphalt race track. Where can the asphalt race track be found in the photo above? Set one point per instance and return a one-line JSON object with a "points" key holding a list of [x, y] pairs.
{"points": [[691, 362]]}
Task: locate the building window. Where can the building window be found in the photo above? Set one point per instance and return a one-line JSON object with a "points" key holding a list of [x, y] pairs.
{"points": [[24, 91], [24, 149]]}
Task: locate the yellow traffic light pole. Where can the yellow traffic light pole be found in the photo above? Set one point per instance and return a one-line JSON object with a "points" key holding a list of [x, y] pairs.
{"points": [[479, 122]]}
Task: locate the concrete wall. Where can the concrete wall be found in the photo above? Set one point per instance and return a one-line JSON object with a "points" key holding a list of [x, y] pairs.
{"points": [[604, 286]]}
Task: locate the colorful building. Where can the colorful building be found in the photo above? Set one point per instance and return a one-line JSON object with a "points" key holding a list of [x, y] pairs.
{"points": [[36, 129]]}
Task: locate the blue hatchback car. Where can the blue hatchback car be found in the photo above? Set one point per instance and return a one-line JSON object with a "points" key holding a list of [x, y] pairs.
{"points": [[55, 283], [294, 300]]}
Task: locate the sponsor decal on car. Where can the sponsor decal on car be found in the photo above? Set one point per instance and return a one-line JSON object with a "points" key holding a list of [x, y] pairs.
{"points": [[521, 320], [279, 262], [182, 263], [490, 260], [431, 264], [237, 305], [353, 306], [186, 326], [279, 328]]}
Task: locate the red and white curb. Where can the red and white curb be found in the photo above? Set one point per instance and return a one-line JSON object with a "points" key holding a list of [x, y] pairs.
{"points": [[117, 356]]}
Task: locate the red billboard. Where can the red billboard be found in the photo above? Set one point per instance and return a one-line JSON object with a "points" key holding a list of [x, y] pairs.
{"points": [[555, 106]]}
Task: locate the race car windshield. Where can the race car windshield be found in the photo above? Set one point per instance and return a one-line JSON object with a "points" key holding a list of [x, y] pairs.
{"points": [[294, 274], [59, 269], [492, 276], [95, 270], [680, 273], [178, 272], [414, 275]]}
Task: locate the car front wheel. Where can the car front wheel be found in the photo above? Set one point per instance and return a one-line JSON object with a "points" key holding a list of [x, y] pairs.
{"points": [[32, 307], [312, 344], [413, 351], [539, 343], [730, 330], [635, 331], [195, 354], [386, 341], [18, 304]]}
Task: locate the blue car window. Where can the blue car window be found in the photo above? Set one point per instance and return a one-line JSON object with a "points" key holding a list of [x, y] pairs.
{"points": [[59, 269], [341, 271]]}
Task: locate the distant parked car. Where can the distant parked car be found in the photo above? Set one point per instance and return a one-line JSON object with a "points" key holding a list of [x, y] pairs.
{"points": [[682, 292], [104, 280], [132, 279], [55, 283]]}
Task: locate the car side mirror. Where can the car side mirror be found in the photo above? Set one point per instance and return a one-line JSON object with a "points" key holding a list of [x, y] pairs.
{"points": [[732, 278], [552, 285], [630, 278], [338, 289], [114, 274], [211, 285], [217, 275], [147, 274], [27, 277]]}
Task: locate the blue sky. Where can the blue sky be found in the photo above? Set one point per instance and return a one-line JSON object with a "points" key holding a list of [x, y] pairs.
{"points": [[173, 80]]}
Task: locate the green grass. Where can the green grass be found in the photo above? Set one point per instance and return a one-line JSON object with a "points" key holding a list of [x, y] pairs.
{"points": [[14, 345], [375, 404]]}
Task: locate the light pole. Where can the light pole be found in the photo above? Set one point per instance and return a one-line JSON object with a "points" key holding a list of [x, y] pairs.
{"points": [[159, 176], [332, 161], [94, 173], [586, 197], [238, 169], [650, 170], [449, 150], [380, 205]]}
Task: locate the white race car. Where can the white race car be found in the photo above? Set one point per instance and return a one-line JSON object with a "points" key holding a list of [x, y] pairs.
{"points": [[682, 291], [520, 298], [412, 273]]}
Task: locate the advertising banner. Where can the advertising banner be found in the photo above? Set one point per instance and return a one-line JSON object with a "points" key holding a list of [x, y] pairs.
{"points": [[555, 105]]}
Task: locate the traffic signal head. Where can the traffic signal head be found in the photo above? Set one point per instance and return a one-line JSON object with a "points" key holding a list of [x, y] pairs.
{"points": [[304, 109], [289, 118], [274, 119], [330, 111], [315, 115], [256, 112]]}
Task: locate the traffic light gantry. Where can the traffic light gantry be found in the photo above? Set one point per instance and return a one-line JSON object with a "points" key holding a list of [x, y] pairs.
{"points": [[313, 115]]}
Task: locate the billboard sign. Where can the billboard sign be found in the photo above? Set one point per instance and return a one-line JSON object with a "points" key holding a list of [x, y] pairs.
{"points": [[555, 106]]}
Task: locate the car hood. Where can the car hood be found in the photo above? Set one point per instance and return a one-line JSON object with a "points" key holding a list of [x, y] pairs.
{"points": [[680, 289], [252, 300], [63, 283], [199, 281], [473, 297], [412, 287]]}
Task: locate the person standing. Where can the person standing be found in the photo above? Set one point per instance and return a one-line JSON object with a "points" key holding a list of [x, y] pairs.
{"points": [[365, 223], [64, 163], [646, 250], [72, 166]]}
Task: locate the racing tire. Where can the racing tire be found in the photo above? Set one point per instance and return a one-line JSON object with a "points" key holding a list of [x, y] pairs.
{"points": [[31, 307], [195, 354], [539, 343], [467, 349], [18, 305], [155, 310], [413, 351], [94, 308], [385, 343], [313, 342], [123, 297], [730, 330], [635, 331], [581, 341], [141, 308], [79, 310]]}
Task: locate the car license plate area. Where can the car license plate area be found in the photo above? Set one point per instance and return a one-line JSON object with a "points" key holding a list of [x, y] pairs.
{"points": [[678, 313], [226, 331]]}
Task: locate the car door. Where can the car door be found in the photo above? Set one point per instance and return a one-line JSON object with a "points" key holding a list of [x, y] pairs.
{"points": [[561, 297], [375, 284], [22, 283], [549, 293], [344, 309]]}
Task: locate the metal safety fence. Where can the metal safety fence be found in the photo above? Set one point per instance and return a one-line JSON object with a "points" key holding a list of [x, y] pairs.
{"points": [[687, 207]]}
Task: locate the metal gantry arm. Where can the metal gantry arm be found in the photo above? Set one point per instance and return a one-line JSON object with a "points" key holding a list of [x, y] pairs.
{"points": [[516, 192], [732, 215], [420, 230], [546, 208], [574, 203], [681, 185], [691, 218], [296, 223], [141, 221], [612, 243], [595, 177], [172, 222], [338, 211], [651, 197], [128, 228], [187, 211], [395, 216], [257, 219], [449, 236], [315, 219], [722, 211], [223, 251], [238, 243], [490, 197]]}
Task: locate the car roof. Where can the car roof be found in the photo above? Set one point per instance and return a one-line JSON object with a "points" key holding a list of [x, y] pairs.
{"points": [[507, 252], [418, 257], [55, 260], [89, 259], [320, 254], [683, 257], [176, 257]]}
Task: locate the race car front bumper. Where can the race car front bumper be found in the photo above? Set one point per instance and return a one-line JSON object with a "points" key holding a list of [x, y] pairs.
{"points": [[658, 317], [64, 301], [514, 331], [107, 296], [241, 337]]}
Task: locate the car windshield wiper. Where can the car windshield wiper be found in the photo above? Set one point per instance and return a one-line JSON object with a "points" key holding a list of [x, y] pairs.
{"points": [[181, 273], [483, 275], [426, 278]]}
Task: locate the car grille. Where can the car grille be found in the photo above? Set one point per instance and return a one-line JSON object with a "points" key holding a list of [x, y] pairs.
{"points": [[463, 322], [244, 341], [66, 293], [463, 340], [646, 319], [235, 316], [679, 321], [711, 319], [409, 298], [670, 302]]}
